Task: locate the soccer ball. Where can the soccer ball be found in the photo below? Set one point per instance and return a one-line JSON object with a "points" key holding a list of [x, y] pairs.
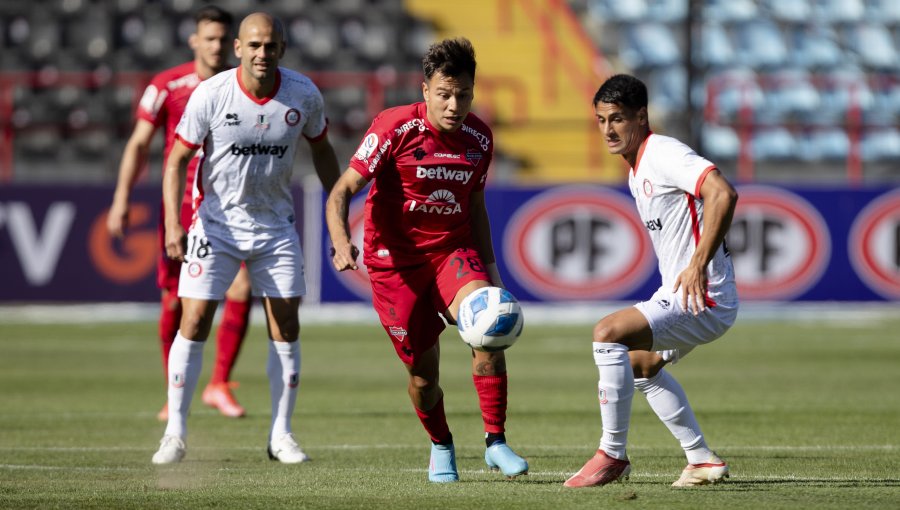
{"points": [[490, 319]]}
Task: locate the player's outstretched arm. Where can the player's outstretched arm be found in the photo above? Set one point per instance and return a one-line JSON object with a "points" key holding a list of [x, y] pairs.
{"points": [[337, 211], [174, 175], [325, 162], [133, 159], [481, 232], [719, 202]]}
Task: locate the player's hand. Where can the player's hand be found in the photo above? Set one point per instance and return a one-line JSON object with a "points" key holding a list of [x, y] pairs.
{"points": [[117, 220], [176, 243], [692, 282], [344, 257]]}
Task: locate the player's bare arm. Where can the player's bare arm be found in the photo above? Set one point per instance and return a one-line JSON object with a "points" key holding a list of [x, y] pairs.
{"points": [[481, 231], [174, 175], [325, 162], [337, 211], [719, 201], [133, 158]]}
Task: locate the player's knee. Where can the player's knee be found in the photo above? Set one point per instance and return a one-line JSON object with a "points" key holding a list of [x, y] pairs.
{"points": [[605, 332]]}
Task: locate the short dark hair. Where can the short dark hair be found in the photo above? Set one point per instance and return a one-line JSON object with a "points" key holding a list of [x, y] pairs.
{"points": [[213, 14], [623, 89], [450, 57]]}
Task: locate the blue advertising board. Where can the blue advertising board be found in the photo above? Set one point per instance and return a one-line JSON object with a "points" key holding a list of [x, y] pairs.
{"points": [[553, 244]]}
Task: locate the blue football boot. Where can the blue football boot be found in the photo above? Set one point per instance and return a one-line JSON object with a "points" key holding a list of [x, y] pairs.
{"points": [[442, 466], [501, 457]]}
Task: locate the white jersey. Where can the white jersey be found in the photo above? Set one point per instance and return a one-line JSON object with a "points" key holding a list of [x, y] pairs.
{"points": [[665, 184], [243, 181]]}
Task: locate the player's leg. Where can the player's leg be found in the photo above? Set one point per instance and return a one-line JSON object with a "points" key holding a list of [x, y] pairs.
{"points": [[613, 337], [229, 338], [185, 364], [675, 333], [167, 273], [463, 273], [668, 400], [403, 303], [276, 272], [427, 398], [206, 275], [283, 371]]}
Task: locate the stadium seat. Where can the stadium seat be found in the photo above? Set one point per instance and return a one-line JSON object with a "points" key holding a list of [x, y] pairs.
{"points": [[815, 47], [873, 46], [715, 49], [880, 144], [720, 143], [823, 144], [648, 45], [790, 11], [759, 44], [774, 143]]}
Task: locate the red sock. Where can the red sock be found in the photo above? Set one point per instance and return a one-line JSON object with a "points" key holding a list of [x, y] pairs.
{"points": [[235, 319], [169, 321], [492, 399], [435, 423]]}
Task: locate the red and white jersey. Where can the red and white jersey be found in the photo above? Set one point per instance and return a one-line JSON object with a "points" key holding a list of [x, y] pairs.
{"points": [[419, 202], [243, 182], [163, 104], [665, 184]]}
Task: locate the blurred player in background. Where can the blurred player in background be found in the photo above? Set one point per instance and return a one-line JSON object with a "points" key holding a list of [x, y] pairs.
{"points": [[428, 241], [162, 104], [687, 206], [248, 121]]}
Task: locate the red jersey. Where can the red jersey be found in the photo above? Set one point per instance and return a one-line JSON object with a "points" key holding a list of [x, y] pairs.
{"points": [[163, 103], [423, 179]]}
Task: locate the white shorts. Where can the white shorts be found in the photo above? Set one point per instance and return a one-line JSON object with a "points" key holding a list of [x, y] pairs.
{"points": [[212, 261], [675, 331]]}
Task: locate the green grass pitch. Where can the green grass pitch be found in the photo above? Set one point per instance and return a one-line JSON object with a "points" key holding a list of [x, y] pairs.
{"points": [[806, 413]]}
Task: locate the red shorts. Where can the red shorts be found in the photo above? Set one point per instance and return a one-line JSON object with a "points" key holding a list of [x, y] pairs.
{"points": [[408, 300], [168, 270]]}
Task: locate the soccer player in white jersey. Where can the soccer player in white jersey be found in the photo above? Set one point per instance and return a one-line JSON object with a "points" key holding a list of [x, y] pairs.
{"points": [[247, 122], [687, 206]]}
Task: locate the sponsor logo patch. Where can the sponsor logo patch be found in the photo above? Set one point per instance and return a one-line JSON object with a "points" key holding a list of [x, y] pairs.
{"points": [[367, 147], [231, 119], [442, 173], [258, 149]]}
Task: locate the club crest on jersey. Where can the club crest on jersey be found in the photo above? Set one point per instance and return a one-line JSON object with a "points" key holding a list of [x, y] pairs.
{"points": [[262, 121], [473, 156], [398, 332], [292, 117], [194, 270], [648, 187]]}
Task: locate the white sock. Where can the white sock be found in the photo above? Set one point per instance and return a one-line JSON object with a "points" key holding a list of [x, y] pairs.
{"points": [[185, 363], [669, 402], [615, 390], [283, 369]]}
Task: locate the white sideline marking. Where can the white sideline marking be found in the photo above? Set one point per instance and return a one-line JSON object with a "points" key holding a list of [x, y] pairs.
{"points": [[549, 474]]}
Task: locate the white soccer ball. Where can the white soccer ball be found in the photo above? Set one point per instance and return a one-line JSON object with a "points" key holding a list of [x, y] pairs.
{"points": [[490, 319]]}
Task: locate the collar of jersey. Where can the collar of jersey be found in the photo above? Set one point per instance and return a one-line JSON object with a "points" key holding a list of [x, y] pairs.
{"points": [[259, 100], [640, 154]]}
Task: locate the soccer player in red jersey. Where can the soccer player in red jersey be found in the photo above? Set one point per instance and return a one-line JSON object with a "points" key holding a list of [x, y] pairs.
{"points": [[162, 104], [428, 241]]}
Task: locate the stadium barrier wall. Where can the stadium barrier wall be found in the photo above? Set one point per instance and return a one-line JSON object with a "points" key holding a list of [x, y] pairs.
{"points": [[554, 244]]}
